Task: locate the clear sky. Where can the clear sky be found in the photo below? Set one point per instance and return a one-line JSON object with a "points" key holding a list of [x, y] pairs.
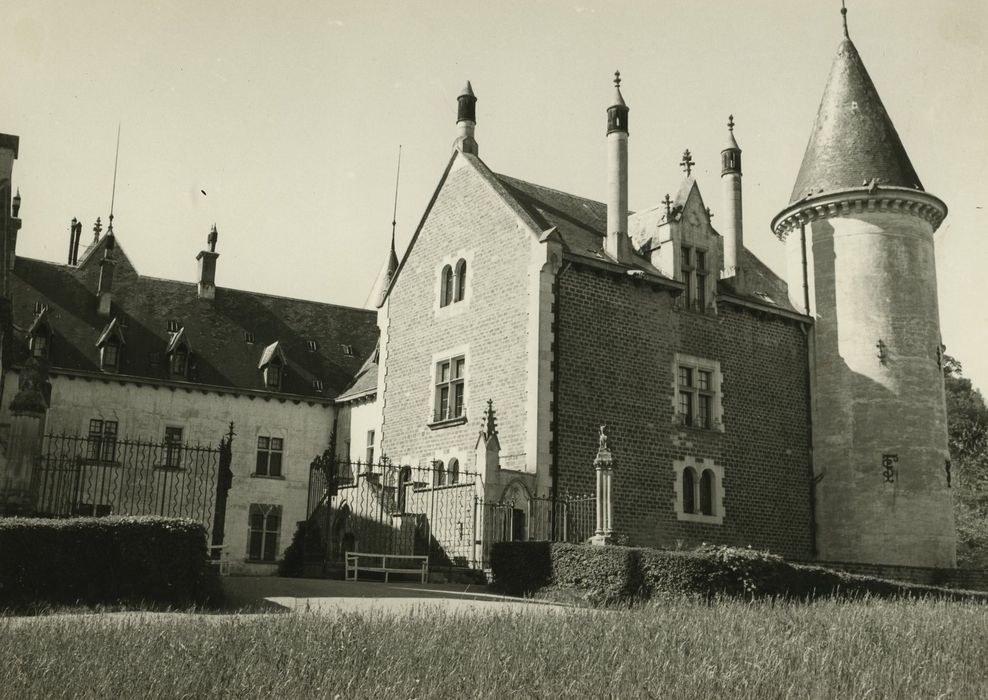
{"points": [[280, 122]]}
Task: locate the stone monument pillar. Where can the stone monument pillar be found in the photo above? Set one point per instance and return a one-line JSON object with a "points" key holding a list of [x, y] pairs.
{"points": [[19, 476], [604, 466]]}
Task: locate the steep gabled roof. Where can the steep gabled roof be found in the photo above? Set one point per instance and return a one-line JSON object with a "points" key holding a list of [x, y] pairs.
{"points": [[853, 141], [365, 383], [144, 306]]}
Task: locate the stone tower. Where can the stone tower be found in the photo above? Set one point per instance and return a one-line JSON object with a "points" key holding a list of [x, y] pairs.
{"points": [[859, 244]]}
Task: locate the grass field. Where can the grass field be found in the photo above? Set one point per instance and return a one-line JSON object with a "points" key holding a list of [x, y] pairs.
{"points": [[666, 650]]}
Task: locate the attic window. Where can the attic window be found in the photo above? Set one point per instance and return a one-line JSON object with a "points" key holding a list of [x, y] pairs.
{"points": [[110, 344], [38, 306], [248, 337], [317, 384], [39, 346], [179, 354], [311, 345], [173, 326], [273, 374], [110, 355], [347, 350]]}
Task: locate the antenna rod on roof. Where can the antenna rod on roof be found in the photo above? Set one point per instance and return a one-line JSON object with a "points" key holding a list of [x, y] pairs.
{"points": [[394, 213], [843, 12], [113, 192]]}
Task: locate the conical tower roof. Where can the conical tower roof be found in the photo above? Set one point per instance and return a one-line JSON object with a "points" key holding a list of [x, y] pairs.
{"points": [[380, 290], [853, 140]]}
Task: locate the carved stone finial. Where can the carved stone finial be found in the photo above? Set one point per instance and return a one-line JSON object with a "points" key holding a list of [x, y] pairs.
{"points": [[490, 422], [212, 238], [603, 437], [730, 123], [668, 202], [687, 162], [97, 229], [617, 78]]}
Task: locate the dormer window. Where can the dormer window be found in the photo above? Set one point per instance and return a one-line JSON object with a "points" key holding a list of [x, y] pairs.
{"points": [[179, 353], [272, 375], [273, 365], [696, 275], [39, 334], [110, 344], [311, 345], [111, 354]]}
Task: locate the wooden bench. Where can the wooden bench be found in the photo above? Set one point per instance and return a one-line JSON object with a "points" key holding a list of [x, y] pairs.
{"points": [[381, 563]]}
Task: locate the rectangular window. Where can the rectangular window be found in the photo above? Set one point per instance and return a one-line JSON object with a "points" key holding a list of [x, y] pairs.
{"points": [[173, 447], [264, 524], [697, 395], [450, 389], [102, 440], [311, 345], [369, 452], [269, 454], [687, 269], [701, 280]]}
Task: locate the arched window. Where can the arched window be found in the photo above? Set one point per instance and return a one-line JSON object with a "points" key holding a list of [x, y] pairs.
{"points": [[454, 471], [438, 473], [461, 280], [707, 492], [689, 490], [446, 287]]}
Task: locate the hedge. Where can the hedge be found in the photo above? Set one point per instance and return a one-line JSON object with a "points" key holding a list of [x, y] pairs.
{"points": [[109, 560], [610, 574]]}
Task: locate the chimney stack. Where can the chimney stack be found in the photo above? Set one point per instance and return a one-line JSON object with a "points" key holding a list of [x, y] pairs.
{"points": [[733, 232], [75, 235], [466, 121], [617, 244], [207, 267], [104, 292], [10, 224]]}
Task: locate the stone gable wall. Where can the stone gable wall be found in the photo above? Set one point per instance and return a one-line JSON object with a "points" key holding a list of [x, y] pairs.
{"points": [[616, 343], [467, 218]]}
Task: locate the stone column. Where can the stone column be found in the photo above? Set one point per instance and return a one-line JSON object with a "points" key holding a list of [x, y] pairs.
{"points": [[19, 475], [604, 466]]}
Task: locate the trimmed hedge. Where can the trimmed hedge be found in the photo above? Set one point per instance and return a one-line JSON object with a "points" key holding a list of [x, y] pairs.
{"points": [[611, 574], [105, 561]]}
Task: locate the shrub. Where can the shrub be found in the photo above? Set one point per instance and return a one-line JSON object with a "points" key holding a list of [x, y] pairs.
{"points": [[607, 574], [611, 574], [306, 542], [104, 560], [521, 567]]}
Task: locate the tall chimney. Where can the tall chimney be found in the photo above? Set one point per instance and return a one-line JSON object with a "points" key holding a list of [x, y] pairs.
{"points": [[10, 224], [617, 245], [466, 121], [207, 267], [75, 234], [733, 232], [104, 292]]}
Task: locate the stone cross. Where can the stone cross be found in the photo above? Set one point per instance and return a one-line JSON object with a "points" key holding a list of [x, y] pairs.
{"points": [[687, 162], [668, 202]]}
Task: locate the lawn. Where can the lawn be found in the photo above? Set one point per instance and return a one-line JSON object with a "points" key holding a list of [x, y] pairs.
{"points": [[666, 649]]}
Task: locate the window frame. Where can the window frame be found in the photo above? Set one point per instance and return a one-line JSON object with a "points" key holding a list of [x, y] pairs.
{"points": [[268, 534], [453, 283], [369, 449], [697, 383], [694, 266], [266, 453], [101, 443], [690, 474], [449, 391], [171, 448]]}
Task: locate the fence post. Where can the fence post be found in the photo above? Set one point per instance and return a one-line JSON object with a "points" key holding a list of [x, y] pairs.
{"points": [[224, 480]]}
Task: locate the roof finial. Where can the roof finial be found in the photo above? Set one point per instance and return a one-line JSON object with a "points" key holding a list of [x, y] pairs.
{"points": [[212, 238], [113, 192], [687, 162], [843, 12], [394, 213], [490, 423], [617, 78], [730, 123]]}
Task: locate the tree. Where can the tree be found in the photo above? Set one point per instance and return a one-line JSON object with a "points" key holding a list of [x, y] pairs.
{"points": [[967, 437]]}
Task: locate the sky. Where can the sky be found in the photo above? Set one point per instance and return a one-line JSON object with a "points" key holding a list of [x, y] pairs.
{"points": [[281, 123]]}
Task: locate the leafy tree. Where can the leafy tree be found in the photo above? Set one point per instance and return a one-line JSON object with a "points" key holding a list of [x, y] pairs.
{"points": [[967, 436]]}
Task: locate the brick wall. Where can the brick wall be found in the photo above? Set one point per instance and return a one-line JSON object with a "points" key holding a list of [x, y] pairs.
{"points": [[615, 348], [962, 579], [468, 217]]}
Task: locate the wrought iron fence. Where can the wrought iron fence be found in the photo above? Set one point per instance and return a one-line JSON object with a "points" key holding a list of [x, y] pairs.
{"points": [[430, 510], [103, 475]]}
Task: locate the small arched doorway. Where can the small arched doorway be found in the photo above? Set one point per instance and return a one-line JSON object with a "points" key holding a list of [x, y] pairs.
{"points": [[517, 498]]}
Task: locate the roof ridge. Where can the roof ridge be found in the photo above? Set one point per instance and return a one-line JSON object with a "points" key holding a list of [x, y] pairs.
{"points": [[551, 189]]}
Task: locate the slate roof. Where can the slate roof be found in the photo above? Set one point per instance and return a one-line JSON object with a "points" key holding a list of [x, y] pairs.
{"points": [[365, 382], [215, 330], [853, 140]]}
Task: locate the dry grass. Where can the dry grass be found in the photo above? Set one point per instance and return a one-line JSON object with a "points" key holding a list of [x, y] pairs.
{"points": [[677, 649]]}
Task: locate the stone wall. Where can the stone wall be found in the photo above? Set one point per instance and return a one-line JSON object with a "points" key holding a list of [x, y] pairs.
{"points": [[143, 411], [489, 328], [616, 345]]}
